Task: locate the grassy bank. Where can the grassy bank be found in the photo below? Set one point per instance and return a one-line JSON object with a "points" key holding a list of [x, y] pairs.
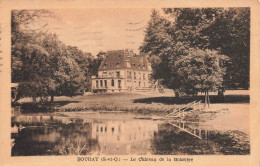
{"points": [[131, 102]]}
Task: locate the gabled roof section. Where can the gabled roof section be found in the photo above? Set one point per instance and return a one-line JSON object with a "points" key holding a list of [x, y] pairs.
{"points": [[124, 59]]}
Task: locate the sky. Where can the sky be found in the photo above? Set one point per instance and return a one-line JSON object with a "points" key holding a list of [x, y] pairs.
{"points": [[93, 30]]}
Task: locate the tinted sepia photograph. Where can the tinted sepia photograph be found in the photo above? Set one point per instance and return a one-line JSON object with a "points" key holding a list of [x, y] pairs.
{"points": [[130, 81]]}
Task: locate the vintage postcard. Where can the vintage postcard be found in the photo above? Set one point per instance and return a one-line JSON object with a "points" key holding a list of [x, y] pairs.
{"points": [[129, 82]]}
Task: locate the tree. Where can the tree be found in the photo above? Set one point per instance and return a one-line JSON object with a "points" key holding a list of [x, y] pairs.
{"points": [[171, 36], [201, 71], [84, 61], [96, 62], [41, 64], [66, 77], [225, 30], [163, 50], [230, 33], [34, 73], [21, 36]]}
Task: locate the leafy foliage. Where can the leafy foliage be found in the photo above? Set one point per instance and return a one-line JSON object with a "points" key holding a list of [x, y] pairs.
{"points": [[200, 71], [42, 65], [200, 32], [225, 30]]}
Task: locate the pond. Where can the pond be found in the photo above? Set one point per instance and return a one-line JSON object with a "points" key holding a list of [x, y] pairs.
{"points": [[102, 133]]}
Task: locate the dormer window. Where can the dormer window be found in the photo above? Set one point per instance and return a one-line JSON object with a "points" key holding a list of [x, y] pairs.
{"points": [[117, 64], [105, 65], [104, 74]]}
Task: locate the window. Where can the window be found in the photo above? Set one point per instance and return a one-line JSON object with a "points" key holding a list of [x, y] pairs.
{"points": [[140, 76], [129, 74], [105, 83], [118, 74], [139, 84], [104, 74], [119, 84], [112, 83], [97, 84], [144, 76], [134, 75], [101, 83]]}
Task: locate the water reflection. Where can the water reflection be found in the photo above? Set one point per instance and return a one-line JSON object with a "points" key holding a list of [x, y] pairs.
{"points": [[108, 134], [64, 135], [124, 137]]}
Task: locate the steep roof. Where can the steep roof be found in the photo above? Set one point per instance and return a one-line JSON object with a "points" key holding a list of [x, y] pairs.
{"points": [[117, 59]]}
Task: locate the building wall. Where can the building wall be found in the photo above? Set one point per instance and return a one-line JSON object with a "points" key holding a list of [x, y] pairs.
{"points": [[128, 79]]}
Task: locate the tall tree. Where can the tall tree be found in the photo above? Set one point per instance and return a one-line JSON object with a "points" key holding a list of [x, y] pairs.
{"points": [[163, 51], [225, 30], [41, 64], [230, 33], [201, 71], [96, 62], [170, 37]]}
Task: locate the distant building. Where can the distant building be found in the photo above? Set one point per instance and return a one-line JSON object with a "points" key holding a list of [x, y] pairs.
{"points": [[122, 70]]}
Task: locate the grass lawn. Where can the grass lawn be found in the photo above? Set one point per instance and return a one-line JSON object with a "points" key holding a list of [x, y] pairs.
{"points": [[150, 100]]}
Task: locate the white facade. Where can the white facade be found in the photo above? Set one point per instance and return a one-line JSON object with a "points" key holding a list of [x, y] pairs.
{"points": [[122, 78]]}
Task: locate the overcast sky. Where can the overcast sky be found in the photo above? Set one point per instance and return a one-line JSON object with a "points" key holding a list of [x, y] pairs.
{"points": [[93, 30]]}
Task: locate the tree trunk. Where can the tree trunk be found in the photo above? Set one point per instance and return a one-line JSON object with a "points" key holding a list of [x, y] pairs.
{"points": [[52, 98], [177, 94], [221, 94], [34, 99], [207, 101], [205, 104], [208, 98]]}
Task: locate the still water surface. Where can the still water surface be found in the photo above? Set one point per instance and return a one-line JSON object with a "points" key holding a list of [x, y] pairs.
{"points": [[107, 134]]}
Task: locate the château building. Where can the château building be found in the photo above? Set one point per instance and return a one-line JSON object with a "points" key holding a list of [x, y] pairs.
{"points": [[122, 70]]}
